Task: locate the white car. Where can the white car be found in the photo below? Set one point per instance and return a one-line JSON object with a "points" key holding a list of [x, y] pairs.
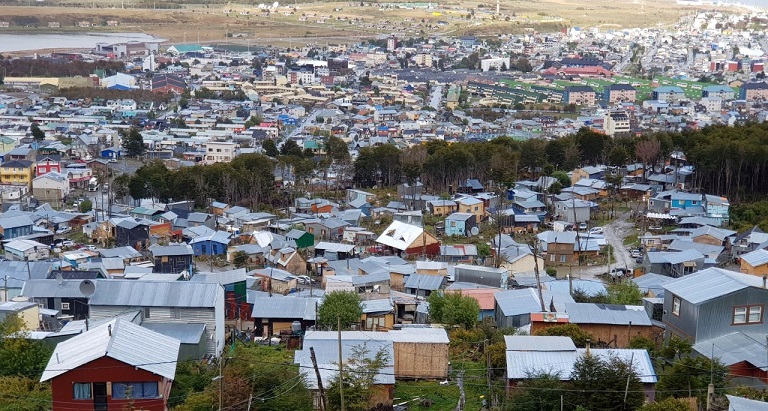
{"points": [[304, 279], [596, 230], [67, 243], [90, 247]]}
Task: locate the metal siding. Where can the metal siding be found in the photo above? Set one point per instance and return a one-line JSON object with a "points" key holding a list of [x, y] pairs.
{"points": [[686, 322], [716, 315]]}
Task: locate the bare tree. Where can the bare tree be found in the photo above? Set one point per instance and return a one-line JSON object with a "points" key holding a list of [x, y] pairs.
{"points": [[648, 151]]}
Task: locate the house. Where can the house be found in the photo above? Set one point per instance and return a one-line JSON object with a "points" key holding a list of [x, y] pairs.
{"points": [[713, 303], [215, 243], [16, 226], [670, 94], [64, 297], [47, 163], [407, 239], [272, 315], [26, 250], [26, 311], [712, 236], [529, 356], [674, 264], [456, 253], [745, 404], [378, 315], [518, 259], [326, 349], [483, 296], [219, 152], [754, 263], [467, 204], [172, 258], [567, 247], [17, 172], [52, 187], [460, 224], [275, 280], [334, 251], [754, 91], [165, 302], [112, 366], [201, 219], [717, 208], [422, 285], [620, 93], [132, 232], [356, 198], [513, 308], [288, 259], [609, 324], [442, 208], [594, 173], [573, 211], [302, 239], [579, 95], [331, 229], [235, 283]]}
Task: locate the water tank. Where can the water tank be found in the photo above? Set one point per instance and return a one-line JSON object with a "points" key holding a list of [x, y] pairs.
{"points": [[296, 327]]}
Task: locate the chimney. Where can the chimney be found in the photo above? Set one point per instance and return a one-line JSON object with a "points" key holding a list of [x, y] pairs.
{"points": [[109, 329], [765, 280], [588, 343]]}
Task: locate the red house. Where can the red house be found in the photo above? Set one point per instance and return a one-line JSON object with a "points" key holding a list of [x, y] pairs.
{"points": [[114, 366], [168, 83], [48, 163]]}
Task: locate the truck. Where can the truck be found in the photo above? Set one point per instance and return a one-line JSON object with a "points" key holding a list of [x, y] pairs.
{"points": [[562, 226], [93, 184]]}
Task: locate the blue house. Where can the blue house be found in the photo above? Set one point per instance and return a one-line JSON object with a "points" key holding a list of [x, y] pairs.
{"points": [[213, 244], [717, 207], [685, 200], [460, 224], [16, 226], [112, 152]]}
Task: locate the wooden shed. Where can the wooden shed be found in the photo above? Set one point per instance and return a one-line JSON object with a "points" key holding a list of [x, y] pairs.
{"points": [[420, 352]]}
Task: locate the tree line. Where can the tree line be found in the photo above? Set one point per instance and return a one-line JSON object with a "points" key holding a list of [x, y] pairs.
{"points": [[57, 68], [729, 161]]}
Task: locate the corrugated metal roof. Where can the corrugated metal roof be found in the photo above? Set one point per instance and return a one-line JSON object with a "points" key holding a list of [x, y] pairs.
{"points": [[539, 343], [526, 301], [121, 340], [424, 282], [589, 287], [273, 273], [378, 277], [756, 258], [734, 348], [223, 278], [138, 293], [327, 355], [399, 235], [745, 404], [52, 289], [172, 249], [185, 333], [285, 307], [710, 283], [652, 282], [588, 313], [334, 247], [416, 335], [383, 305]]}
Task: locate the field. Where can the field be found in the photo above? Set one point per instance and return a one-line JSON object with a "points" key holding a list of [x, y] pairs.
{"points": [[331, 22]]}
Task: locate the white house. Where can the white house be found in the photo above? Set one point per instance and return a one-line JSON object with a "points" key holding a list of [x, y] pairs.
{"points": [[219, 151], [26, 250], [51, 187]]}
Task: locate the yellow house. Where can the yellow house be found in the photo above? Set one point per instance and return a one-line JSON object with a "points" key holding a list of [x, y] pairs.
{"points": [[17, 172], [27, 311], [472, 205], [754, 263], [442, 208]]}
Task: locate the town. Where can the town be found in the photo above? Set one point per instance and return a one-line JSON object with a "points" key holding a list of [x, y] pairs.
{"points": [[573, 219]]}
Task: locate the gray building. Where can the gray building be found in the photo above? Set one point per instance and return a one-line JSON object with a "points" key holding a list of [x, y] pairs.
{"points": [[674, 264], [713, 303], [573, 211]]}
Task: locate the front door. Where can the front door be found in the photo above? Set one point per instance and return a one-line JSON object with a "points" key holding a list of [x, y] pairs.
{"points": [[99, 396]]}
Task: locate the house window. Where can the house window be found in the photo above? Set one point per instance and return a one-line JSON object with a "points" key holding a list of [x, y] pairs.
{"points": [[748, 314], [147, 312], [176, 313], [81, 391], [562, 258], [65, 306], [123, 390], [676, 302]]}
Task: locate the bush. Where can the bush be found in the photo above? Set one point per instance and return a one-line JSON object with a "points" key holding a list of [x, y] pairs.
{"points": [[551, 272]]}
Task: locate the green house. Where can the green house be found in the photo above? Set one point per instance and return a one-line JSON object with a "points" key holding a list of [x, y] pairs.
{"points": [[303, 239]]}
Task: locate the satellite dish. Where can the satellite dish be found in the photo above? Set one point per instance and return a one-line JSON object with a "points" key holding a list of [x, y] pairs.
{"points": [[87, 288], [474, 231], [275, 4], [59, 279]]}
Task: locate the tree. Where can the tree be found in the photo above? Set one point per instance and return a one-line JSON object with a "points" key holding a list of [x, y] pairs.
{"points": [[538, 392], [360, 370], [578, 335], [689, 377], [270, 148], [601, 384], [133, 142], [19, 355], [336, 149], [339, 305], [86, 206], [240, 259], [291, 148], [24, 394], [37, 134], [452, 309], [624, 292]]}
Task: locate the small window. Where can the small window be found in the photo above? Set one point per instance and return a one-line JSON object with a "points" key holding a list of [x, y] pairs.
{"points": [[755, 314], [676, 306], [147, 312], [82, 391], [123, 390], [176, 313], [65, 306], [740, 315]]}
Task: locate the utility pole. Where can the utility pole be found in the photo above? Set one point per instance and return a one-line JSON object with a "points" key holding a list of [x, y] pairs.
{"points": [[341, 367], [534, 249], [629, 377], [488, 371], [711, 386], [319, 380]]}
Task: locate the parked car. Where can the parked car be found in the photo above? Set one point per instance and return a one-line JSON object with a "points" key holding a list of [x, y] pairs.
{"points": [[90, 247], [596, 230], [63, 230], [617, 272], [635, 253], [640, 259], [304, 279], [582, 226], [68, 243]]}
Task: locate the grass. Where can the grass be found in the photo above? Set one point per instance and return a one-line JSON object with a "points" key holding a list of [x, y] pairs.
{"points": [[421, 393], [632, 241]]}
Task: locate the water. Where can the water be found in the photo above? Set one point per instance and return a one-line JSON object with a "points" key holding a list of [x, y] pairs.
{"points": [[24, 42]]}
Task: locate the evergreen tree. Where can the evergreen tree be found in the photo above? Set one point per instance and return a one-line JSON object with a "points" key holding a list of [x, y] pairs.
{"points": [[133, 142], [37, 134]]}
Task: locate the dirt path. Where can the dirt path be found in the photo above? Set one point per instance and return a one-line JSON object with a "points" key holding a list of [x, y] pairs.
{"points": [[615, 233]]}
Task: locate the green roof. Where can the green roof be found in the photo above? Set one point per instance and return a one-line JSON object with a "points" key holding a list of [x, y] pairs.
{"points": [[187, 48]]}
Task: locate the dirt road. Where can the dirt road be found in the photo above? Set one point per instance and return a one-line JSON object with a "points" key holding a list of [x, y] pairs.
{"points": [[615, 233]]}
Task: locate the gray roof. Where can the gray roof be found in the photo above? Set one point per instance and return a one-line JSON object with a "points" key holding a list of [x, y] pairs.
{"points": [[538, 343], [652, 282], [705, 249], [121, 340], [15, 221], [186, 333], [171, 250], [711, 283], [51, 289], [526, 301], [372, 278], [673, 257], [745, 404], [274, 273], [138, 293], [736, 347], [382, 305], [588, 313], [198, 217], [334, 247], [223, 278], [122, 252], [755, 258], [285, 307], [424, 282]]}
